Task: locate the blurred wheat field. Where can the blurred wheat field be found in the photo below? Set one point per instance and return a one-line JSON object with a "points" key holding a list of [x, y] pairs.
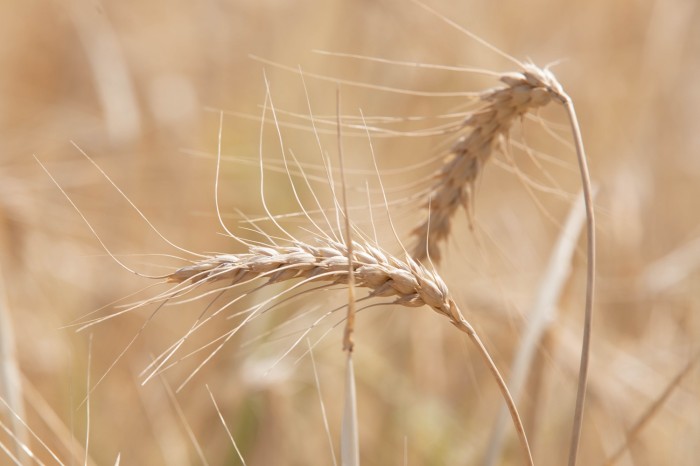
{"points": [[138, 86]]}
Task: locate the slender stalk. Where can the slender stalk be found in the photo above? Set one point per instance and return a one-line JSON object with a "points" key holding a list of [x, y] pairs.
{"points": [[350, 322], [542, 315], [463, 325], [590, 280], [350, 448], [350, 438]]}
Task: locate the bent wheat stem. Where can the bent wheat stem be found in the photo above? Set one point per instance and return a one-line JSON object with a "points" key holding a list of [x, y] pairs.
{"points": [[410, 283], [590, 278]]}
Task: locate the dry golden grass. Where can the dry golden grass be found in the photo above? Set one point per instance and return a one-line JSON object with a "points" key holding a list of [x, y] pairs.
{"points": [[130, 81]]}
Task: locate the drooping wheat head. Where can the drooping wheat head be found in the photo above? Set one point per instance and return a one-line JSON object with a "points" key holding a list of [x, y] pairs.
{"points": [[453, 187], [385, 276], [408, 282]]}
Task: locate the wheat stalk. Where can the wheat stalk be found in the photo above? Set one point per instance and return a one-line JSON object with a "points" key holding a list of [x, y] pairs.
{"points": [[409, 282], [526, 90], [454, 181]]}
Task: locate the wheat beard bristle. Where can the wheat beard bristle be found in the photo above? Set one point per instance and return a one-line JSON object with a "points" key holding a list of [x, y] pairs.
{"points": [[412, 284], [524, 91]]}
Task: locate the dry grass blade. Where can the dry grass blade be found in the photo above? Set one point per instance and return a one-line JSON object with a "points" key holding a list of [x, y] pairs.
{"points": [[454, 183], [349, 444], [110, 70]]}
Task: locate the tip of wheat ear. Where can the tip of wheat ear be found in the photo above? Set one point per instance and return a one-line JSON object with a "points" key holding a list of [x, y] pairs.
{"points": [[525, 90], [409, 282]]}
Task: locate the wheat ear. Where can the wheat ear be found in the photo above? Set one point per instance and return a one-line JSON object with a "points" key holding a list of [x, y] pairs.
{"points": [[410, 283], [454, 182]]}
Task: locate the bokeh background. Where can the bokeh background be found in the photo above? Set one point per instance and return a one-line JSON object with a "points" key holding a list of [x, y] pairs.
{"points": [[138, 85]]}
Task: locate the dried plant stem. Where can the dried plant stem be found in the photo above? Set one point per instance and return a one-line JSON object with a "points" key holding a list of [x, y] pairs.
{"points": [[510, 403], [350, 437], [540, 318], [348, 344], [111, 75], [590, 278], [350, 447], [454, 182]]}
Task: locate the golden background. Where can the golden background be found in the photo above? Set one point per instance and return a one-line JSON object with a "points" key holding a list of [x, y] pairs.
{"points": [[138, 86]]}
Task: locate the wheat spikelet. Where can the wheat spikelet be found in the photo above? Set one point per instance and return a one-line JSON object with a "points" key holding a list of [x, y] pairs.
{"points": [[454, 182]]}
